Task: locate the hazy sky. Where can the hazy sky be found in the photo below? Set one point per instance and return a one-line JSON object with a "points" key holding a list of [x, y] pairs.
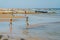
{"points": [[29, 3]]}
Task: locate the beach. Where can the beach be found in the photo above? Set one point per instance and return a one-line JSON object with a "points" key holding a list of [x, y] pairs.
{"points": [[41, 27]]}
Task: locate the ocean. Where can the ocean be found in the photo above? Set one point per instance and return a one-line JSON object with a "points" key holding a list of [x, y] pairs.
{"points": [[47, 26]]}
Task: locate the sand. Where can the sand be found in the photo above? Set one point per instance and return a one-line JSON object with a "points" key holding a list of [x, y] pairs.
{"points": [[7, 17]]}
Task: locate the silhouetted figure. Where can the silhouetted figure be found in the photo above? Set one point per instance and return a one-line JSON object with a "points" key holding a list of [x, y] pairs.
{"points": [[10, 25], [25, 13], [8, 36], [27, 23]]}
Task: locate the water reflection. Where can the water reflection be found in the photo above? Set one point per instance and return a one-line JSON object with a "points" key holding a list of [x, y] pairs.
{"points": [[20, 28]]}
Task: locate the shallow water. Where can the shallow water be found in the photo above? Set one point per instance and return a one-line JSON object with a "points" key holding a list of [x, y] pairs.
{"points": [[50, 31]]}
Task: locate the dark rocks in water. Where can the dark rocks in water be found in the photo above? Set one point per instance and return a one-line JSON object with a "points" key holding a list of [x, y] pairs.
{"points": [[1, 36], [22, 39], [41, 12], [5, 39]]}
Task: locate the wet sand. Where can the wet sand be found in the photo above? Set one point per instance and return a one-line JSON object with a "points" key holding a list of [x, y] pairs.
{"points": [[35, 31], [49, 26], [7, 16]]}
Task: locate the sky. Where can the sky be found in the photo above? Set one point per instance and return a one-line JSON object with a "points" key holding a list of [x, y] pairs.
{"points": [[29, 3]]}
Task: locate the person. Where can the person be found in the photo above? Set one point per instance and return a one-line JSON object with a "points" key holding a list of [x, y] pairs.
{"points": [[27, 24]]}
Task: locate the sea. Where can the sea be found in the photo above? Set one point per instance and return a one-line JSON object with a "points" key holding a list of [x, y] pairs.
{"points": [[47, 26]]}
